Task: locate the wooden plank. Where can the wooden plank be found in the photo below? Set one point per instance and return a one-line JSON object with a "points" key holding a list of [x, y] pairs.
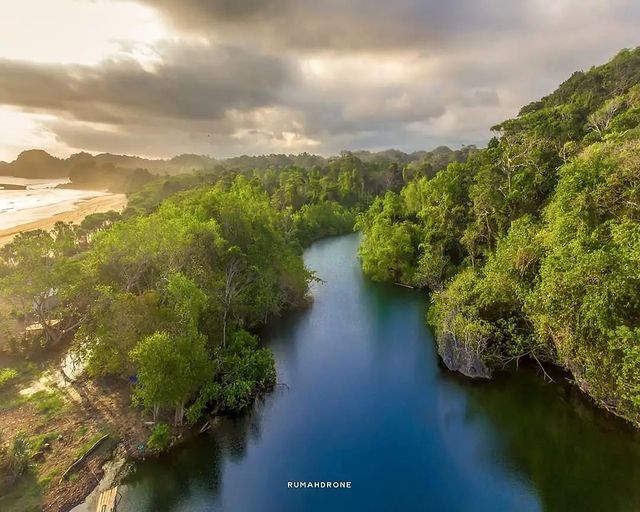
{"points": [[108, 500]]}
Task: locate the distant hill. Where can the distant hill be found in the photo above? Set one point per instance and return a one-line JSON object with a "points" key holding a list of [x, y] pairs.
{"points": [[35, 163], [124, 173]]}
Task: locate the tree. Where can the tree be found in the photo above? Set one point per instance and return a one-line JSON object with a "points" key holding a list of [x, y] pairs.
{"points": [[35, 276], [532, 246], [113, 325], [170, 371], [600, 120], [387, 252], [237, 279]]}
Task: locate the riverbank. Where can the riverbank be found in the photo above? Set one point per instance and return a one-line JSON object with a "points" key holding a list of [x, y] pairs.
{"points": [[76, 213], [64, 422], [81, 435], [514, 442], [361, 370]]}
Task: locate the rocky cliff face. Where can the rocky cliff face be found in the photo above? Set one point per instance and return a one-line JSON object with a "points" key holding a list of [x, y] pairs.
{"points": [[460, 358]]}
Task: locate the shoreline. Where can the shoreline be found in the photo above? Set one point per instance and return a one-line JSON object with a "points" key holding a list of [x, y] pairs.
{"points": [[77, 212]]}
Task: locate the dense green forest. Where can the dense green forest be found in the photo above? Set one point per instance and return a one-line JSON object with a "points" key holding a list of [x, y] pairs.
{"points": [[531, 248], [169, 295], [127, 174], [162, 304]]}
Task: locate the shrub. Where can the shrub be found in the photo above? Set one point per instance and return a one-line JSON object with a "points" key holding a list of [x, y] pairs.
{"points": [[7, 375], [19, 454], [160, 438]]}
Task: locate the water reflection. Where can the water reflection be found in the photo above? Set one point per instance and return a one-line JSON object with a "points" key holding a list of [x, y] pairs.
{"points": [[164, 484], [368, 402], [576, 456]]}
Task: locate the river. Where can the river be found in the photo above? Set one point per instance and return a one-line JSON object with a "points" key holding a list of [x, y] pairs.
{"points": [[366, 401]]}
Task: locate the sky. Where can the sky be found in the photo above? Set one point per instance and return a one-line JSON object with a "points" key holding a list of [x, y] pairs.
{"points": [[159, 78]]}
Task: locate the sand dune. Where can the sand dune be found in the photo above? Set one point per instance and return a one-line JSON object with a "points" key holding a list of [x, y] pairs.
{"points": [[76, 213]]}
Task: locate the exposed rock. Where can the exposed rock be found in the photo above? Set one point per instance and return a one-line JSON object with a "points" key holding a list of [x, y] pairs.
{"points": [[459, 358]]}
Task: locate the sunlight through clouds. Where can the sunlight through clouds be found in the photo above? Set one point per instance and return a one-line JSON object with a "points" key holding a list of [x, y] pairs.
{"points": [[220, 78], [76, 31]]}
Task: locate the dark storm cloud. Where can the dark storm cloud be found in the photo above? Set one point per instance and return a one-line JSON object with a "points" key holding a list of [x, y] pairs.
{"points": [[328, 25], [192, 83]]}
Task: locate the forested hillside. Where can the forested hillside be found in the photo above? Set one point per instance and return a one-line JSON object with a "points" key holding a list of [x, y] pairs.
{"points": [[127, 174], [531, 248], [165, 300], [162, 304]]}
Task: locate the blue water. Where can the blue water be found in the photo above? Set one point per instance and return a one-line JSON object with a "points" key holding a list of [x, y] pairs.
{"points": [[366, 401]]}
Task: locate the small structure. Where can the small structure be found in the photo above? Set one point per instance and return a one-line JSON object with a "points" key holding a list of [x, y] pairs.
{"points": [[108, 500], [36, 329]]}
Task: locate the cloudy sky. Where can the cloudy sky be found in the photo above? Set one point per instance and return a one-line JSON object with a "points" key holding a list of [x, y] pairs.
{"points": [[227, 77]]}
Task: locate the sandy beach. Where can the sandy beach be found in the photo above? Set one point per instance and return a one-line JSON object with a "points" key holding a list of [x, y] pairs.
{"points": [[76, 213]]}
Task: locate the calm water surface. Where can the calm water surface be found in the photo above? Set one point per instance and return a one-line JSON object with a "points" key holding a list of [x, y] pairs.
{"points": [[366, 401]]}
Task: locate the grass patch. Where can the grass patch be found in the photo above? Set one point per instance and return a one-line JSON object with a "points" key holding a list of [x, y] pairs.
{"points": [[16, 376], [48, 403], [13, 377], [37, 442], [7, 375], [24, 371], [84, 447], [10, 401], [25, 495], [52, 475]]}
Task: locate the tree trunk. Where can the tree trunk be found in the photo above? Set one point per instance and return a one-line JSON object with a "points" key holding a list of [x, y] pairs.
{"points": [[179, 414], [224, 328]]}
